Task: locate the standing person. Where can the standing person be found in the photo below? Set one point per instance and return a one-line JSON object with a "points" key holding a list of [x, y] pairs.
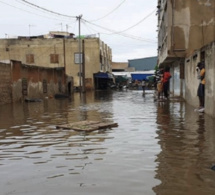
{"points": [[136, 84], [201, 88], [160, 87], [143, 86], [166, 78], [199, 78]]}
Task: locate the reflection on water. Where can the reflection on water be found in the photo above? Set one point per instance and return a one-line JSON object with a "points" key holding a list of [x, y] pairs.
{"points": [[187, 140], [158, 148]]}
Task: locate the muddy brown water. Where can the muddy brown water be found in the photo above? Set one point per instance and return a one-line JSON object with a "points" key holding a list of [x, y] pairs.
{"points": [[158, 148]]}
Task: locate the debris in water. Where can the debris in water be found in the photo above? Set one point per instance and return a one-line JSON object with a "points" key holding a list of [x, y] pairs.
{"points": [[87, 125]]}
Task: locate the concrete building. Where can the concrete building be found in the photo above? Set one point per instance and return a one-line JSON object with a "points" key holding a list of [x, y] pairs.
{"points": [[142, 68], [119, 66], [186, 35], [60, 51], [143, 64], [135, 69]]}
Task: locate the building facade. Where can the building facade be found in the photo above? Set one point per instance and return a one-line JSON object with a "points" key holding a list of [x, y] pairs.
{"points": [[119, 66], [143, 64], [186, 31], [61, 52]]}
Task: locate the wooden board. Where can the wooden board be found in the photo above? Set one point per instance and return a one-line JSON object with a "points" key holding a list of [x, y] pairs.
{"points": [[87, 125]]}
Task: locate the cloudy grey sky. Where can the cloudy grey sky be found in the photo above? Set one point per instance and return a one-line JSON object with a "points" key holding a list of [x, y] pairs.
{"points": [[126, 26]]}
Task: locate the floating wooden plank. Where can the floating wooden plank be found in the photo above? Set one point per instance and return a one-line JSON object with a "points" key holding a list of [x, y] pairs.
{"points": [[87, 125]]}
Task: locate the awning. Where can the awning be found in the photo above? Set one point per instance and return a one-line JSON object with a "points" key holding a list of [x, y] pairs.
{"points": [[103, 75]]}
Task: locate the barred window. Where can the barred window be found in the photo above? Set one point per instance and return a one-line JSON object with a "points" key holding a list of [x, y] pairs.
{"points": [[30, 58], [54, 58]]}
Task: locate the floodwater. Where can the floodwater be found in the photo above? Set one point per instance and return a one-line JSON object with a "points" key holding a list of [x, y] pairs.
{"points": [[157, 148]]}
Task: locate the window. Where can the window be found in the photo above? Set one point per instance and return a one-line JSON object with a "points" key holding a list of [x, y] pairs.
{"points": [[30, 58], [44, 86], [59, 86], [54, 58], [202, 56]]}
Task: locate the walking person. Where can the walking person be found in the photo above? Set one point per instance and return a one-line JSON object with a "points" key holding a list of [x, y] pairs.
{"points": [[166, 78], [143, 86]]}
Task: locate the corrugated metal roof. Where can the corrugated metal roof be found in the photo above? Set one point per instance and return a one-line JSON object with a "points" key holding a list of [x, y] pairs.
{"points": [[143, 64]]}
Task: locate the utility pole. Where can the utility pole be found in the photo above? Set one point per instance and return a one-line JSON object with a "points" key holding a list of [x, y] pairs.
{"points": [[81, 82], [30, 29], [67, 28], [83, 68]]}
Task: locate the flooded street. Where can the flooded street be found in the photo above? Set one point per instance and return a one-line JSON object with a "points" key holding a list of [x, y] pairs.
{"points": [[157, 148]]}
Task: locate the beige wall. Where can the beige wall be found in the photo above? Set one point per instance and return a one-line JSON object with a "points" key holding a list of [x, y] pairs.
{"points": [[15, 49], [210, 79], [192, 82], [184, 26], [187, 28], [119, 65]]}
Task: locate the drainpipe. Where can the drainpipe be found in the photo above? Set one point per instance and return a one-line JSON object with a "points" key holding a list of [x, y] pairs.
{"points": [[83, 66]]}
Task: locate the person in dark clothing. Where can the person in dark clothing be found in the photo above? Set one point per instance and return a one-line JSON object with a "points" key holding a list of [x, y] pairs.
{"points": [[201, 88], [166, 78], [143, 85]]}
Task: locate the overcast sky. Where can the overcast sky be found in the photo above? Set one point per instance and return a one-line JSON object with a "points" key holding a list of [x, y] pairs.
{"points": [[128, 27]]}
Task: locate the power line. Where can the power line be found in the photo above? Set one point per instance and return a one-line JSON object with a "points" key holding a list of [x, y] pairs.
{"points": [[122, 34], [126, 35], [113, 32], [118, 32], [47, 10], [138, 22], [31, 12], [109, 12]]}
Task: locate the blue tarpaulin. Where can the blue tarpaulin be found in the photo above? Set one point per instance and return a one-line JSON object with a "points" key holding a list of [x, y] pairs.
{"points": [[143, 76]]}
